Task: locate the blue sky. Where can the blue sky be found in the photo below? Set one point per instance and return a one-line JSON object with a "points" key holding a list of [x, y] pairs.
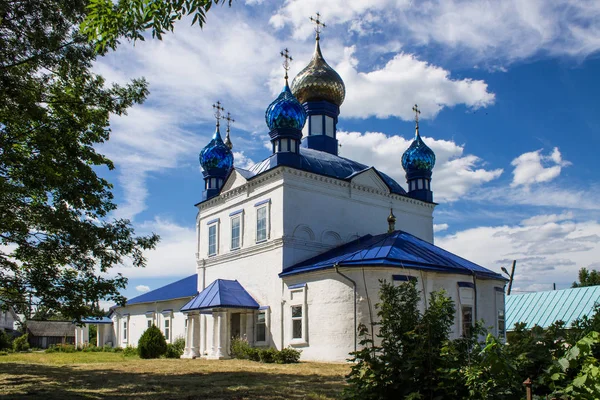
{"points": [[508, 93]]}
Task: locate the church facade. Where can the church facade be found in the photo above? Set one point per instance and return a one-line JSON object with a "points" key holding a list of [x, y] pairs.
{"points": [[291, 251]]}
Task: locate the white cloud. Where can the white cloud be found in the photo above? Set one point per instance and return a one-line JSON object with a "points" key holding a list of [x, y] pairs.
{"points": [[455, 173], [479, 30], [535, 167], [142, 288], [547, 252], [241, 160], [403, 82], [174, 255], [440, 227]]}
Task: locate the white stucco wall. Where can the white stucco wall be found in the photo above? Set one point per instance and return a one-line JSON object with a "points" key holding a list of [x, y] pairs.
{"points": [[7, 320], [138, 317]]}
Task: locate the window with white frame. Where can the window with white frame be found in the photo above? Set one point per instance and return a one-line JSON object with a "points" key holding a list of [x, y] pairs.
{"points": [[236, 232], [298, 317], [262, 223], [124, 330], [297, 322], [261, 326], [167, 329], [467, 320], [212, 239], [501, 324]]}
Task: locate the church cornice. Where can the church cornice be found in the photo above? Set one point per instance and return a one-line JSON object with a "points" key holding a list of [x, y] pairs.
{"points": [[238, 254]]}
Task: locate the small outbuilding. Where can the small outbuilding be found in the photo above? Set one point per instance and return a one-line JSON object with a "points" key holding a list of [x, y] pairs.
{"points": [[42, 334], [545, 308]]}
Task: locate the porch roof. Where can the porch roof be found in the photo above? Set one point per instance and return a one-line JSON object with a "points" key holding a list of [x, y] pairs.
{"points": [[222, 293]]}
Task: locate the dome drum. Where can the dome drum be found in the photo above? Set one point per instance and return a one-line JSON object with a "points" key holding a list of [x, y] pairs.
{"points": [[291, 133]]}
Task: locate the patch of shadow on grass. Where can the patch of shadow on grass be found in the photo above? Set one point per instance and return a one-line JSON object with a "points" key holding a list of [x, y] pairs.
{"points": [[68, 382]]}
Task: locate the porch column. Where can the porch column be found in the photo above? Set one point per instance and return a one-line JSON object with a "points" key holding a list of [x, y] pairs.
{"points": [[250, 328], [195, 335], [99, 335], [86, 334], [219, 334], [76, 335], [186, 349], [202, 334]]}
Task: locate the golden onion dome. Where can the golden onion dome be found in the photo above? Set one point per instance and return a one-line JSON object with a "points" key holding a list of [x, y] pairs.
{"points": [[318, 81]]}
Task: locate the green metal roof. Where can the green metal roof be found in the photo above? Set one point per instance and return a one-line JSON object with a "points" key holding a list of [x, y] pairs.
{"points": [[544, 308]]}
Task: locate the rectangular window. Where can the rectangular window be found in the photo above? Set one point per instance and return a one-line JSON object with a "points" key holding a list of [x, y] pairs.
{"points": [[467, 320], [316, 124], [501, 324], [212, 240], [236, 232], [329, 126], [167, 330], [124, 330], [296, 322], [149, 323], [261, 224], [261, 327]]}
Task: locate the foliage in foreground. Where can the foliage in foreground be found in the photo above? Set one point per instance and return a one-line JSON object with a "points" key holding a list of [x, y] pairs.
{"points": [[21, 343], [415, 359], [241, 349], [175, 349], [152, 343], [57, 237]]}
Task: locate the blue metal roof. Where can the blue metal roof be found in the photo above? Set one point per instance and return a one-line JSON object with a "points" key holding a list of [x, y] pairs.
{"points": [[544, 308], [222, 293], [396, 249], [97, 320], [322, 163], [186, 287]]}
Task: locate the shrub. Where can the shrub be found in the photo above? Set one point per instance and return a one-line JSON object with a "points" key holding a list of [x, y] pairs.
{"points": [[240, 348], [287, 356], [117, 350], [173, 351], [152, 344], [131, 351], [21, 343], [3, 353], [267, 355], [5, 340]]}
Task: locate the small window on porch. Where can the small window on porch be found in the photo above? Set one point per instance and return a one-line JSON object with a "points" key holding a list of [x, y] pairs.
{"points": [[167, 329]]}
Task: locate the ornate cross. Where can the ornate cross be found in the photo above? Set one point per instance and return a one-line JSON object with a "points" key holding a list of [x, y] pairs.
{"points": [[218, 110], [417, 112], [318, 24], [229, 121], [286, 62]]}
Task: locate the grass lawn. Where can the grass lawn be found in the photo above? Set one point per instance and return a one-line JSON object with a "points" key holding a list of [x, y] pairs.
{"points": [[111, 375]]}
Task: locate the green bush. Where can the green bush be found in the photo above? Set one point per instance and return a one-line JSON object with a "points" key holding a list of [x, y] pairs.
{"points": [[3, 353], [241, 349], [21, 343], [152, 344], [5, 340], [117, 350], [287, 356], [175, 349], [131, 351], [267, 355]]}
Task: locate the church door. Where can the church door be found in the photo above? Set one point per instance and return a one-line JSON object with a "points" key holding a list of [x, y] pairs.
{"points": [[236, 330]]}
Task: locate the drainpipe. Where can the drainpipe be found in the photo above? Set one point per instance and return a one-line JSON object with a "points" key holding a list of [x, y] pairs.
{"points": [[336, 266], [474, 294]]}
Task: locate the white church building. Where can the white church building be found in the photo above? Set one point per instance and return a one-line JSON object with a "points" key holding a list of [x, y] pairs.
{"points": [[291, 251]]}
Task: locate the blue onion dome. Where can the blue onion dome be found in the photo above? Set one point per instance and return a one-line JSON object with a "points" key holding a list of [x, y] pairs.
{"points": [[318, 81], [216, 155], [418, 157], [285, 112]]}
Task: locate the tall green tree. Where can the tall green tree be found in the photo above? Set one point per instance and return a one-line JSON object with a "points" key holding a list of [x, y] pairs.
{"points": [[108, 21], [57, 239], [587, 278]]}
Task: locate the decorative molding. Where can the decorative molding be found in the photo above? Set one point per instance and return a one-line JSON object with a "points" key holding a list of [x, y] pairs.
{"points": [[241, 253]]}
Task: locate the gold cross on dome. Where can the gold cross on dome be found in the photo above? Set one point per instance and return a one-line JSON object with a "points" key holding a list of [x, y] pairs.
{"points": [[318, 24], [218, 110], [417, 112], [286, 62], [229, 121]]}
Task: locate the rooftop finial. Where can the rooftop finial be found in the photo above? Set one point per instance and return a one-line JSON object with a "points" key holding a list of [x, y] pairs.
{"points": [[218, 110], [318, 24], [286, 62], [391, 221], [417, 112], [229, 122]]}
